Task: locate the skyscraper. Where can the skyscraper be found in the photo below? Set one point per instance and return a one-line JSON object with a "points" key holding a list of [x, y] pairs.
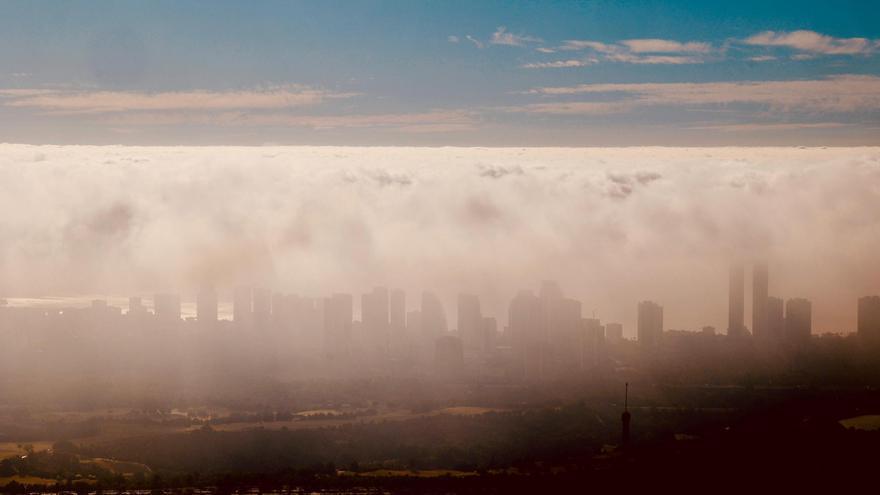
{"points": [[798, 320], [167, 307], [242, 306], [775, 318], [650, 326], [869, 319], [433, 317], [397, 309], [614, 332], [206, 305], [262, 307], [338, 311], [759, 300], [736, 310], [470, 322]]}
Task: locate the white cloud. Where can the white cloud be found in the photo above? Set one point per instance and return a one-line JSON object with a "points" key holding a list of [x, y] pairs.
{"points": [[503, 37], [771, 126], [544, 49], [666, 46], [762, 58], [592, 45], [98, 101], [654, 59], [845, 93], [813, 42], [644, 51], [314, 220], [452, 39], [476, 42], [559, 64]]}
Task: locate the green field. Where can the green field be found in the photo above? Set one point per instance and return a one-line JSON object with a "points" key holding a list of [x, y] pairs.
{"points": [[26, 480]]}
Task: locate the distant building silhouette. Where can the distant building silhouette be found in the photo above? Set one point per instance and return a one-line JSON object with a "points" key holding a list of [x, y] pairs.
{"points": [[262, 308], [470, 322], [375, 318], [449, 356], [206, 305], [433, 317], [613, 333], [167, 307], [775, 318], [625, 418], [650, 323], [736, 303], [397, 309], [760, 283], [525, 323], [338, 316], [798, 319], [869, 319], [242, 306]]}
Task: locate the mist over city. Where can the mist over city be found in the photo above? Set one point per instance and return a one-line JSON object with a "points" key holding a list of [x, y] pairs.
{"points": [[424, 247]]}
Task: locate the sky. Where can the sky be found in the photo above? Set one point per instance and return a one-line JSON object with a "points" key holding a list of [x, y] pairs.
{"points": [[440, 73]]}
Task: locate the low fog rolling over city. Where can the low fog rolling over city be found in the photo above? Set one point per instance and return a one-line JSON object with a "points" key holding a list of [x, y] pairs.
{"points": [[611, 225], [439, 247]]}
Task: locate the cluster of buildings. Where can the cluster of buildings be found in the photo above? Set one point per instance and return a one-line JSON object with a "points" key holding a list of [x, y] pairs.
{"points": [[773, 319], [547, 334]]}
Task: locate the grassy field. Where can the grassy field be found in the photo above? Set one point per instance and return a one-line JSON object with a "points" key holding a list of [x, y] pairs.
{"points": [[12, 449], [121, 467], [867, 423], [26, 480], [428, 473]]}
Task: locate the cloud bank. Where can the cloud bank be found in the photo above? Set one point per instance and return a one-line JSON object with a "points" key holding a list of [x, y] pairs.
{"points": [[613, 226]]}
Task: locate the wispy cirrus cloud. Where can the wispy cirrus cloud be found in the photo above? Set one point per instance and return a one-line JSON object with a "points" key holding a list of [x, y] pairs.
{"points": [[477, 43], [648, 51], [845, 93], [813, 42], [101, 101], [428, 121], [270, 107], [558, 64], [653, 45], [502, 36]]}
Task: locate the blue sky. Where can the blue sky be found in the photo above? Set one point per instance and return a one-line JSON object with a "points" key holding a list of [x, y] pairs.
{"points": [[440, 73]]}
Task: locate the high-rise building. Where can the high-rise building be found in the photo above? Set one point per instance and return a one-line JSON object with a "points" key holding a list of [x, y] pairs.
{"points": [[206, 305], [262, 307], [449, 356], [136, 306], [525, 324], [775, 318], [798, 319], [433, 317], [167, 307], [650, 325], [375, 314], [397, 309], [869, 319], [242, 306], [613, 332], [470, 322], [593, 342], [760, 282], [338, 315], [736, 301]]}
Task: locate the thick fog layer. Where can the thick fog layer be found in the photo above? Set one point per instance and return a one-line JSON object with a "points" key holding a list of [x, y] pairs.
{"points": [[612, 226]]}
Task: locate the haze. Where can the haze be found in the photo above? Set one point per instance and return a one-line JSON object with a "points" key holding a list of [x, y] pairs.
{"points": [[612, 225]]}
